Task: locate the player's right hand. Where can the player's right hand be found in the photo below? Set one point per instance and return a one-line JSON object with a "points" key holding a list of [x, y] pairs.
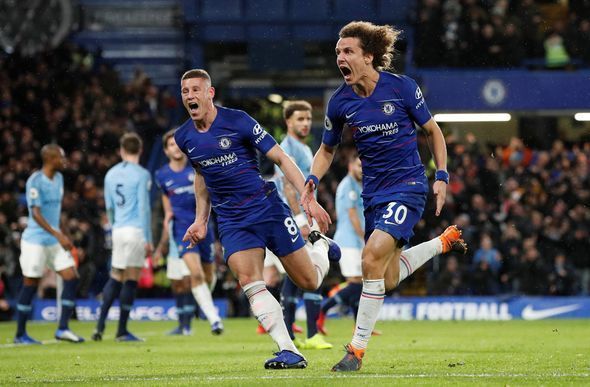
{"points": [[195, 233], [317, 212], [149, 249], [64, 241], [307, 196]]}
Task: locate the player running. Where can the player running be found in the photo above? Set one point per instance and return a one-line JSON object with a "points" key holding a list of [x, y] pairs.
{"points": [[381, 109], [221, 144]]}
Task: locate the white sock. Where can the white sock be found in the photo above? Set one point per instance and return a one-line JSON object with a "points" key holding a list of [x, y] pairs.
{"points": [[412, 259], [318, 252], [203, 296], [269, 314], [369, 307]]}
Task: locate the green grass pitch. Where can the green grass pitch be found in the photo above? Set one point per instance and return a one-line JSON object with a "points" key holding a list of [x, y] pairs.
{"points": [[554, 352]]}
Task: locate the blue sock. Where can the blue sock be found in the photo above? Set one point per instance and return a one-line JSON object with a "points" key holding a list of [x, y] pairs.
{"points": [[354, 297], [190, 306], [289, 301], [313, 303], [329, 304], [68, 297], [23, 306], [179, 297], [110, 293], [126, 301]]}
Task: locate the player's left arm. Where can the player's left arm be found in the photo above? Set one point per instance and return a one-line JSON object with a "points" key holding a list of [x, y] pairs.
{"points": [[198, 230], [438, 148], [294, 175]]}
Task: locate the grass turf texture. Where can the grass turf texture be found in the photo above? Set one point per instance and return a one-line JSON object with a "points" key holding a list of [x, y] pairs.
{"points": [[555, 352]]}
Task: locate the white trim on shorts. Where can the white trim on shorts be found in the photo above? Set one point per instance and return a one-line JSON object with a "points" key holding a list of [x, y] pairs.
{"points": [[34, 258], [176, 269]]}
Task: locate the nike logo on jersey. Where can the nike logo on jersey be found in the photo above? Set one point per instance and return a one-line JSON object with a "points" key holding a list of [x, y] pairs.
{"points": [[294, 239], [392, 223], [169, 183], [350, 115], [192, 149], [529, 313]]}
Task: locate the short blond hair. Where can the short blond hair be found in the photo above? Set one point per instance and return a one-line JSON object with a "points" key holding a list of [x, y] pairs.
{"points": [[374, 39], [196, 73]]}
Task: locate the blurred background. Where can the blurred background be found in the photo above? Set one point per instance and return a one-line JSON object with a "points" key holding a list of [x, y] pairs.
{"points": [[81, 73]]}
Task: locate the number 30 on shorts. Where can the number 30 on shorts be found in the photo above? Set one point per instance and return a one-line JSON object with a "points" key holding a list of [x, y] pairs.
{"points": [[399, 212], [291, 226]]}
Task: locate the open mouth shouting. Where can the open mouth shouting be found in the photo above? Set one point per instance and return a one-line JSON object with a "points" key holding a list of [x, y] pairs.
{"points": [[346, 72], [193, 107]]}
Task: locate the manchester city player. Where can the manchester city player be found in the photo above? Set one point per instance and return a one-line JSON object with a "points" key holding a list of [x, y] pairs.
{"points": [[126, 191], [297, 115], [382, 110], [221, 144], [176, 180], [43, 243]]}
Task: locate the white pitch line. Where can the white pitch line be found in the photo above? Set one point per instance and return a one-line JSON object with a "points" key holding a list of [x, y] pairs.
{"points": [[310, 377]]}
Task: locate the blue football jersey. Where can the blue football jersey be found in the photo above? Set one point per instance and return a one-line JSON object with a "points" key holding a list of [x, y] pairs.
{"points": [[348, 195], [384, 132], [46, 194], [300, 154], [179, 187], [126, 192], [226, 157]]}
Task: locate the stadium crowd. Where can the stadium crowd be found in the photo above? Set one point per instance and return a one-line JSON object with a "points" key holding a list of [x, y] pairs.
{"points": [[524, 212], [502, 33]]}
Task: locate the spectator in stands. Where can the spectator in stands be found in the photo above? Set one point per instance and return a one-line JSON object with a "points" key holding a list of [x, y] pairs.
{"points": [[450, 281], [489, 254], [562, 278]]}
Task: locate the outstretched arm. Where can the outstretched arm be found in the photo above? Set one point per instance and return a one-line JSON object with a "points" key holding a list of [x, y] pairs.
{"points": [[438, 148], [321, 163]]}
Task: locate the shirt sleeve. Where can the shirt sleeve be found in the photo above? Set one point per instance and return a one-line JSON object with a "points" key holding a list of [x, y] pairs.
{"points": [[158, 180], [333, 124], [414, 101], [349, 196], [144, 205], [108, 197], [256, 134], [33, 193]]}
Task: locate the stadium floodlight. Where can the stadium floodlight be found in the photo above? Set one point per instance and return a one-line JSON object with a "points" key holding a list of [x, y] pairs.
{"points": [[582, 116], [275, 98], [472, 117]]}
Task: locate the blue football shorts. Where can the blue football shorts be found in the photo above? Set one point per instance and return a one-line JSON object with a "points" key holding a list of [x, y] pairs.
{"points": [[273, 227], [397, 216]]}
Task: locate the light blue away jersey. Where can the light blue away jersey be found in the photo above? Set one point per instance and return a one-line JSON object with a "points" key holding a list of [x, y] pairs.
{"points": [[46, 194], [126, 192], [225, 155], [300, 154], [348, 195], [384, 133]]}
